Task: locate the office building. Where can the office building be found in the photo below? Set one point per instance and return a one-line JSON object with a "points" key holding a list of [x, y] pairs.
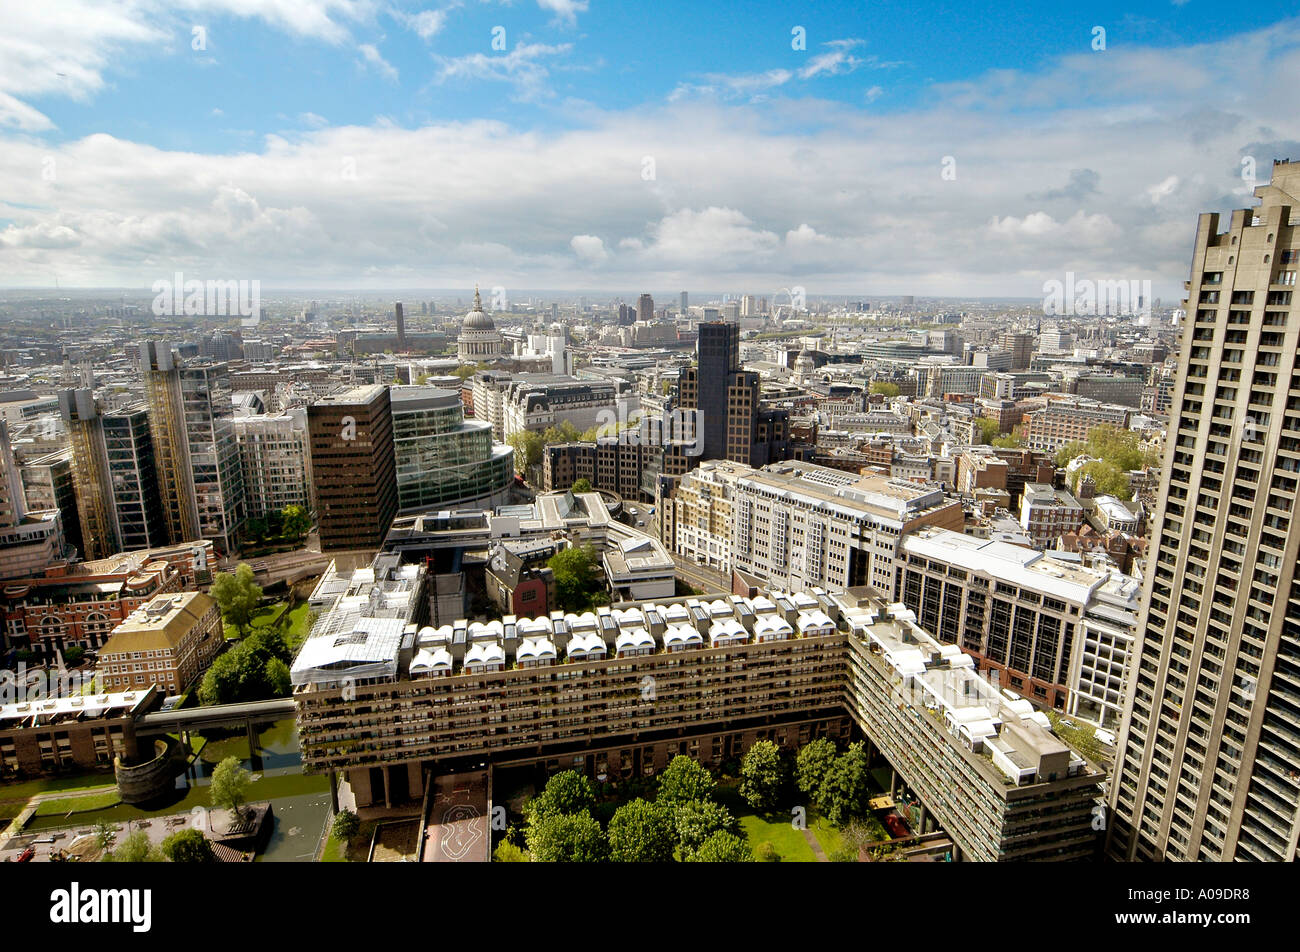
{"points": [[352, 462], [1054, 632], [215, 472], [91, 479], [30, 542], [645, 308], [442, 460], [160, 368], [275, 461], [798, 525], [1208, 765], [1069, 419], [1020, 346]]}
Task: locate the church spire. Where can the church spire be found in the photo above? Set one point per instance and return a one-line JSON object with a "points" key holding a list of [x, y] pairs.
{"points": [[478, 302]]}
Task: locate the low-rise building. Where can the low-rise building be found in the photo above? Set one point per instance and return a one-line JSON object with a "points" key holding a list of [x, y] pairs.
{"points": [[1047, 513], [168, 642]]}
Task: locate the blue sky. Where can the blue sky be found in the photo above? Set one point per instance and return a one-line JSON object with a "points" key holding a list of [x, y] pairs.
{"points": [[373, 143]]}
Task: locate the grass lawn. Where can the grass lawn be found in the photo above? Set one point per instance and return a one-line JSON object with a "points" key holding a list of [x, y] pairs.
{"points": [[336, 851], [295, 621], [29, 788], [80, 804], [788, 842], [267, 788], [827, 835]]}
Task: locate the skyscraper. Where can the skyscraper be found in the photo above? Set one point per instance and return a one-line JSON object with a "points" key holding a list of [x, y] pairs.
{"points": [[162, 380], [215, 470], [645, 308], [1208, 761], [90, 475], [401, 325], [133, 474], [352, 462], [685, 299]]}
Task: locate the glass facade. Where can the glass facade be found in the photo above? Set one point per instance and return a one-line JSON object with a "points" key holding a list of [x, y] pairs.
{"points": [[444, 461]]}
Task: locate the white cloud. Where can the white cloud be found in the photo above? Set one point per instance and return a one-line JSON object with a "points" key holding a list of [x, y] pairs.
{"points": [[589, 248], [426, 23], [370, 53], [566, 11], [523, 68], [1052, 170]]}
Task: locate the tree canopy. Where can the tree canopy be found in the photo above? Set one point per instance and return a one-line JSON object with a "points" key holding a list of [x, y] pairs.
{"points": [[986, 430], [846, 790], [812, 765], [684, 779], [723, 847], [566, 792], [567, 838], [577, 585], [136, 848], [762, 775], [528, 449], [229, 787], [582, 485], [884, 388], [237, 594], [255, 669], [188, 846], [641, 832], [695, 821]]}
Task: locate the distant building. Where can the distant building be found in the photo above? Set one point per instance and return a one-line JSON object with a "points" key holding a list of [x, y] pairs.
{"points": [[479, 339], [1047, 513]]}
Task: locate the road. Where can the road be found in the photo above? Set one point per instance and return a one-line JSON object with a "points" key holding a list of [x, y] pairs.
{"points": [[704, 578]]}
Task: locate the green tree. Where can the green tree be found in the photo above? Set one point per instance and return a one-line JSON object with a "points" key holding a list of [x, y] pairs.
{"points": [[766, 853], [567, 838], [641, 832], [582, 485], [136, 848], [256, 669], [567, 792], [575, 577], [697, 820], [508, 852], [1110, 479], [986, 430], [229, 787], [684, 780], [188, 846], [295, 521], [1012, 441], [104, 833], [762, 776], [346, 825], [886, 389], [725, 847], [565, 432], [73, 654], [237, 595], [255, 528], [528, 449], [812, 765], [846, 791]]}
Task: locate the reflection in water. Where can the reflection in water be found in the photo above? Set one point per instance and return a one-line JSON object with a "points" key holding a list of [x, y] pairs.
{"points": [[276, 751]]}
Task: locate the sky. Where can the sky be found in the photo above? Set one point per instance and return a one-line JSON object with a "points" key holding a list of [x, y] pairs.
{"points": [[865, 148]]}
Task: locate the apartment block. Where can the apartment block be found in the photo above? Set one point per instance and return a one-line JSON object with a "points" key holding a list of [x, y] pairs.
{"points": [[1209, 756]]}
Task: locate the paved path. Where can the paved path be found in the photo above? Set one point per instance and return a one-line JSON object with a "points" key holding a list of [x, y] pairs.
{"points": [[815, 846]]}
